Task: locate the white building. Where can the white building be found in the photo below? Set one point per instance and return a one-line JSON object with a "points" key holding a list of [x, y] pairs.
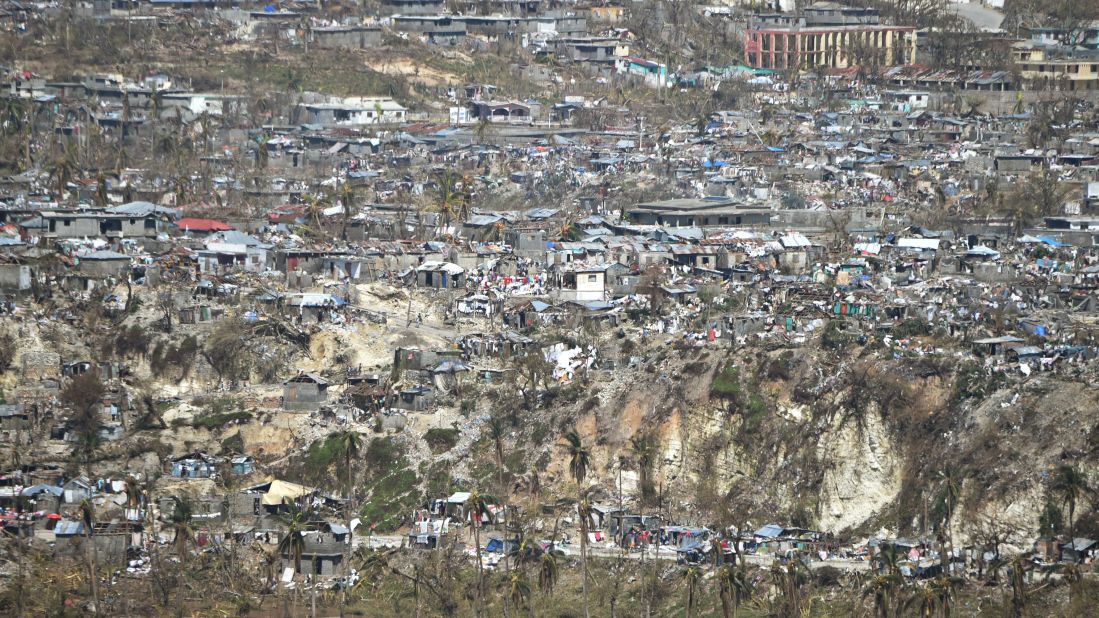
{"points": [[355, 111]]}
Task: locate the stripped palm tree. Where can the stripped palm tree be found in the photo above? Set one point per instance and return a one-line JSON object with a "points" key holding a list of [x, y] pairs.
{"points": [[924, 600], [476, 508], [644, 450], [888, 559], [579, 459], [1016, 569], [292, 544], [87, 517], [944, 588], [452, 199], [691, 576], [497, 431], [547, 573], [62, 170], [349, 443], [314, 207], [734, 588], [1072, 486], [518, 591], [347, 199], [183, 535], [952, 489], [133, 495], [882, 588]]}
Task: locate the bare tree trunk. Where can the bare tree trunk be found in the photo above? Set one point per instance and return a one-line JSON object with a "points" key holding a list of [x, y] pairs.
{"points": [[93, 576], [480, 567], [584, 562]]}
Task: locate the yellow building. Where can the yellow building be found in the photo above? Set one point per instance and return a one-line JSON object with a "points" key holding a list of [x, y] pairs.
{"points": [[607, 14], [1072, 70]]}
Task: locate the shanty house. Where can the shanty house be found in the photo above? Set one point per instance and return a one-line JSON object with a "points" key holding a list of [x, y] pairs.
{"points": [[304, 392], [440, 275], [194, 466], [415, 399], [585, 283], [323, 551]]}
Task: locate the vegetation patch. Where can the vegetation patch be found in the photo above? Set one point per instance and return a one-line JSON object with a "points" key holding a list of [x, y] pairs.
{"points": [[392, 489], [441, 439], [218, 420]]}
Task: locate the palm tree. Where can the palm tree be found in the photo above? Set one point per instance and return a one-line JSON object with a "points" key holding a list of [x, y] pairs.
{"points": [[734, 588], [477, 508], [452, 198], [347, 198], [944, 587], [496, 432], [350, 444], [1017, 568], [62, 171], [292, 544], [133, 494], [547, 573], [518, 590], [1018, 585], [1072, 485], [314, 206], [87, 517], [1074, 575], [644, 449], [924, 600], [691, 576], [579, 459], [888, 559], [882, 588], [789, 580], [184, 533], [952, 489]]}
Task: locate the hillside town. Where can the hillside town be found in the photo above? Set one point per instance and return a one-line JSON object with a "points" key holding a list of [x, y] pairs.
{"points": [[549, 308]]}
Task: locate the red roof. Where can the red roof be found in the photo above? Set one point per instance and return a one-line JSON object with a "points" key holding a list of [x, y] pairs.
{"points": [[202, 225]]}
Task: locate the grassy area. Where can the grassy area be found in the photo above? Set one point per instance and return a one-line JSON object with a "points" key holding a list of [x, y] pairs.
{"points": [[390, 487], [217, 420], [321, 455]]}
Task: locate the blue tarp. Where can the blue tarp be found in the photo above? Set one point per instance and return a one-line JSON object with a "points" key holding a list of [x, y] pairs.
{"points": [[770, 531], [496, 546]]}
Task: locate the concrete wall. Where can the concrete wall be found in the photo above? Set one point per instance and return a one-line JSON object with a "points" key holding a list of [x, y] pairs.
{"points": [[348, 38], [103, 268], [15, 277], [303, 396]]}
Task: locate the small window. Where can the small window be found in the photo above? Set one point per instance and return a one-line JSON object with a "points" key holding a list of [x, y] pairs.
{"points": [[591, 278]]}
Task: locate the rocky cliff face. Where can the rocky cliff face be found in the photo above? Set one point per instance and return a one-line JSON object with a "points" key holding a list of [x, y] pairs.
{"points": [[857, 445]]}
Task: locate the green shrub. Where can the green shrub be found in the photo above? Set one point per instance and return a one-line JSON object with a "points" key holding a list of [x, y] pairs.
{"points": [[233, 444], [726, 385], [911, 328], [973, 382], [833, 337], [441, 439]]}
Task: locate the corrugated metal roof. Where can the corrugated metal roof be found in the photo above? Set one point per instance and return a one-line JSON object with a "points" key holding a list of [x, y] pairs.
{"points": [[67, 527]]}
